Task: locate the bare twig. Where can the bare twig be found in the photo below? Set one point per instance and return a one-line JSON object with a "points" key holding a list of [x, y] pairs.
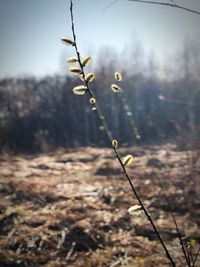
{"points": [[184, 246], [167, 4], [71, 250], [184, 249], [91, 93], [195, 258], [172, 4], [110, 4], [187, 248]]}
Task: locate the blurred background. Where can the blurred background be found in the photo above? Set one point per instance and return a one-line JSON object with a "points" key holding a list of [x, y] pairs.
{"points": [[156, 48]]}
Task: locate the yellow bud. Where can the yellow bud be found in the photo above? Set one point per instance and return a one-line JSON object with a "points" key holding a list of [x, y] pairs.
{"points": [[118, 76], [116, 88], [75, 70], [127, 160], [86, 61], [92, 100], [67, 41], [135, 210], [72, 60], [80, 90], [114, 143], [89, 77]]}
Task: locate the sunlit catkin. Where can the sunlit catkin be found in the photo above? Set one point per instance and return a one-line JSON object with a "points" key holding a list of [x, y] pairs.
{"points": [[135, 210], [92, 100], [89, 77], [118, 76], [80, 90], [72, 60], [86, 61], [127, 160], [116, 88], [114, 143], [67, 41], [76, 70]]}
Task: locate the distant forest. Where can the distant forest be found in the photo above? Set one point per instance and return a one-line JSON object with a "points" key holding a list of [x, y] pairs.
{"points": [[44, 114]]}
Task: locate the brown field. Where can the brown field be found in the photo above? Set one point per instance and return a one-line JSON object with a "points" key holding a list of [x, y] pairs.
{"points": [[69, 208]]}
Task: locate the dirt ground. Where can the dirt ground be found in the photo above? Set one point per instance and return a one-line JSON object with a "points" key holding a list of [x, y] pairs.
{"points": [[69, 208]]}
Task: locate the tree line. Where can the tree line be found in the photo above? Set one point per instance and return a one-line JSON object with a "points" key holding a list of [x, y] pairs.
{"points": [[44, 114]]}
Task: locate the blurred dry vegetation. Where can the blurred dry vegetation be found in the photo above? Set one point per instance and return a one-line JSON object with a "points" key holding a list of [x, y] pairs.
{"points": [[63, 199]]}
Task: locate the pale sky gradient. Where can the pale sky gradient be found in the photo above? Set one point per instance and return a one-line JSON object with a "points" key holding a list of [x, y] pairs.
{"points": [[30, 30]]}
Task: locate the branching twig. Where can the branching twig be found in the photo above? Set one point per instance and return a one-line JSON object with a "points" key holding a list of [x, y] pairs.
{"points": [[184, 249], [172, 4], [195, 258], [182, 238], [109, 136], [110, 4], [167, 4]]}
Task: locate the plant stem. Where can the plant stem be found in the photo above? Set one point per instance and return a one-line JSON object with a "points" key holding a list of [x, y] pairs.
{"points": [[167, 4], [109, 136]]}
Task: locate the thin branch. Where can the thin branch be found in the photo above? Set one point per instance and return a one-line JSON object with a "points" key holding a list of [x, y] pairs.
{"points": [[184, 249], [195, 258], [187, 248], [110, 4], [144, 209], [167, 4], [178, 102], [91, 93], [109, 136], [172, 4]]}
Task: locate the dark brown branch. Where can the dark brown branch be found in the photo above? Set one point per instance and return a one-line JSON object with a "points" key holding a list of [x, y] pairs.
{"points": [[109, 136], [195, 258], [145, 211], [167, 4], [184, 246], [157, 3], [91, 93], [184, 249]]}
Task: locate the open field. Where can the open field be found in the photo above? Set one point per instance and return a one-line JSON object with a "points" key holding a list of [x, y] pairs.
{"points": [[69, 208]]}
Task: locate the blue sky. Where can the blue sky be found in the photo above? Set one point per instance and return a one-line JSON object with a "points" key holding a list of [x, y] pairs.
{"points": [[30, 31]]}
